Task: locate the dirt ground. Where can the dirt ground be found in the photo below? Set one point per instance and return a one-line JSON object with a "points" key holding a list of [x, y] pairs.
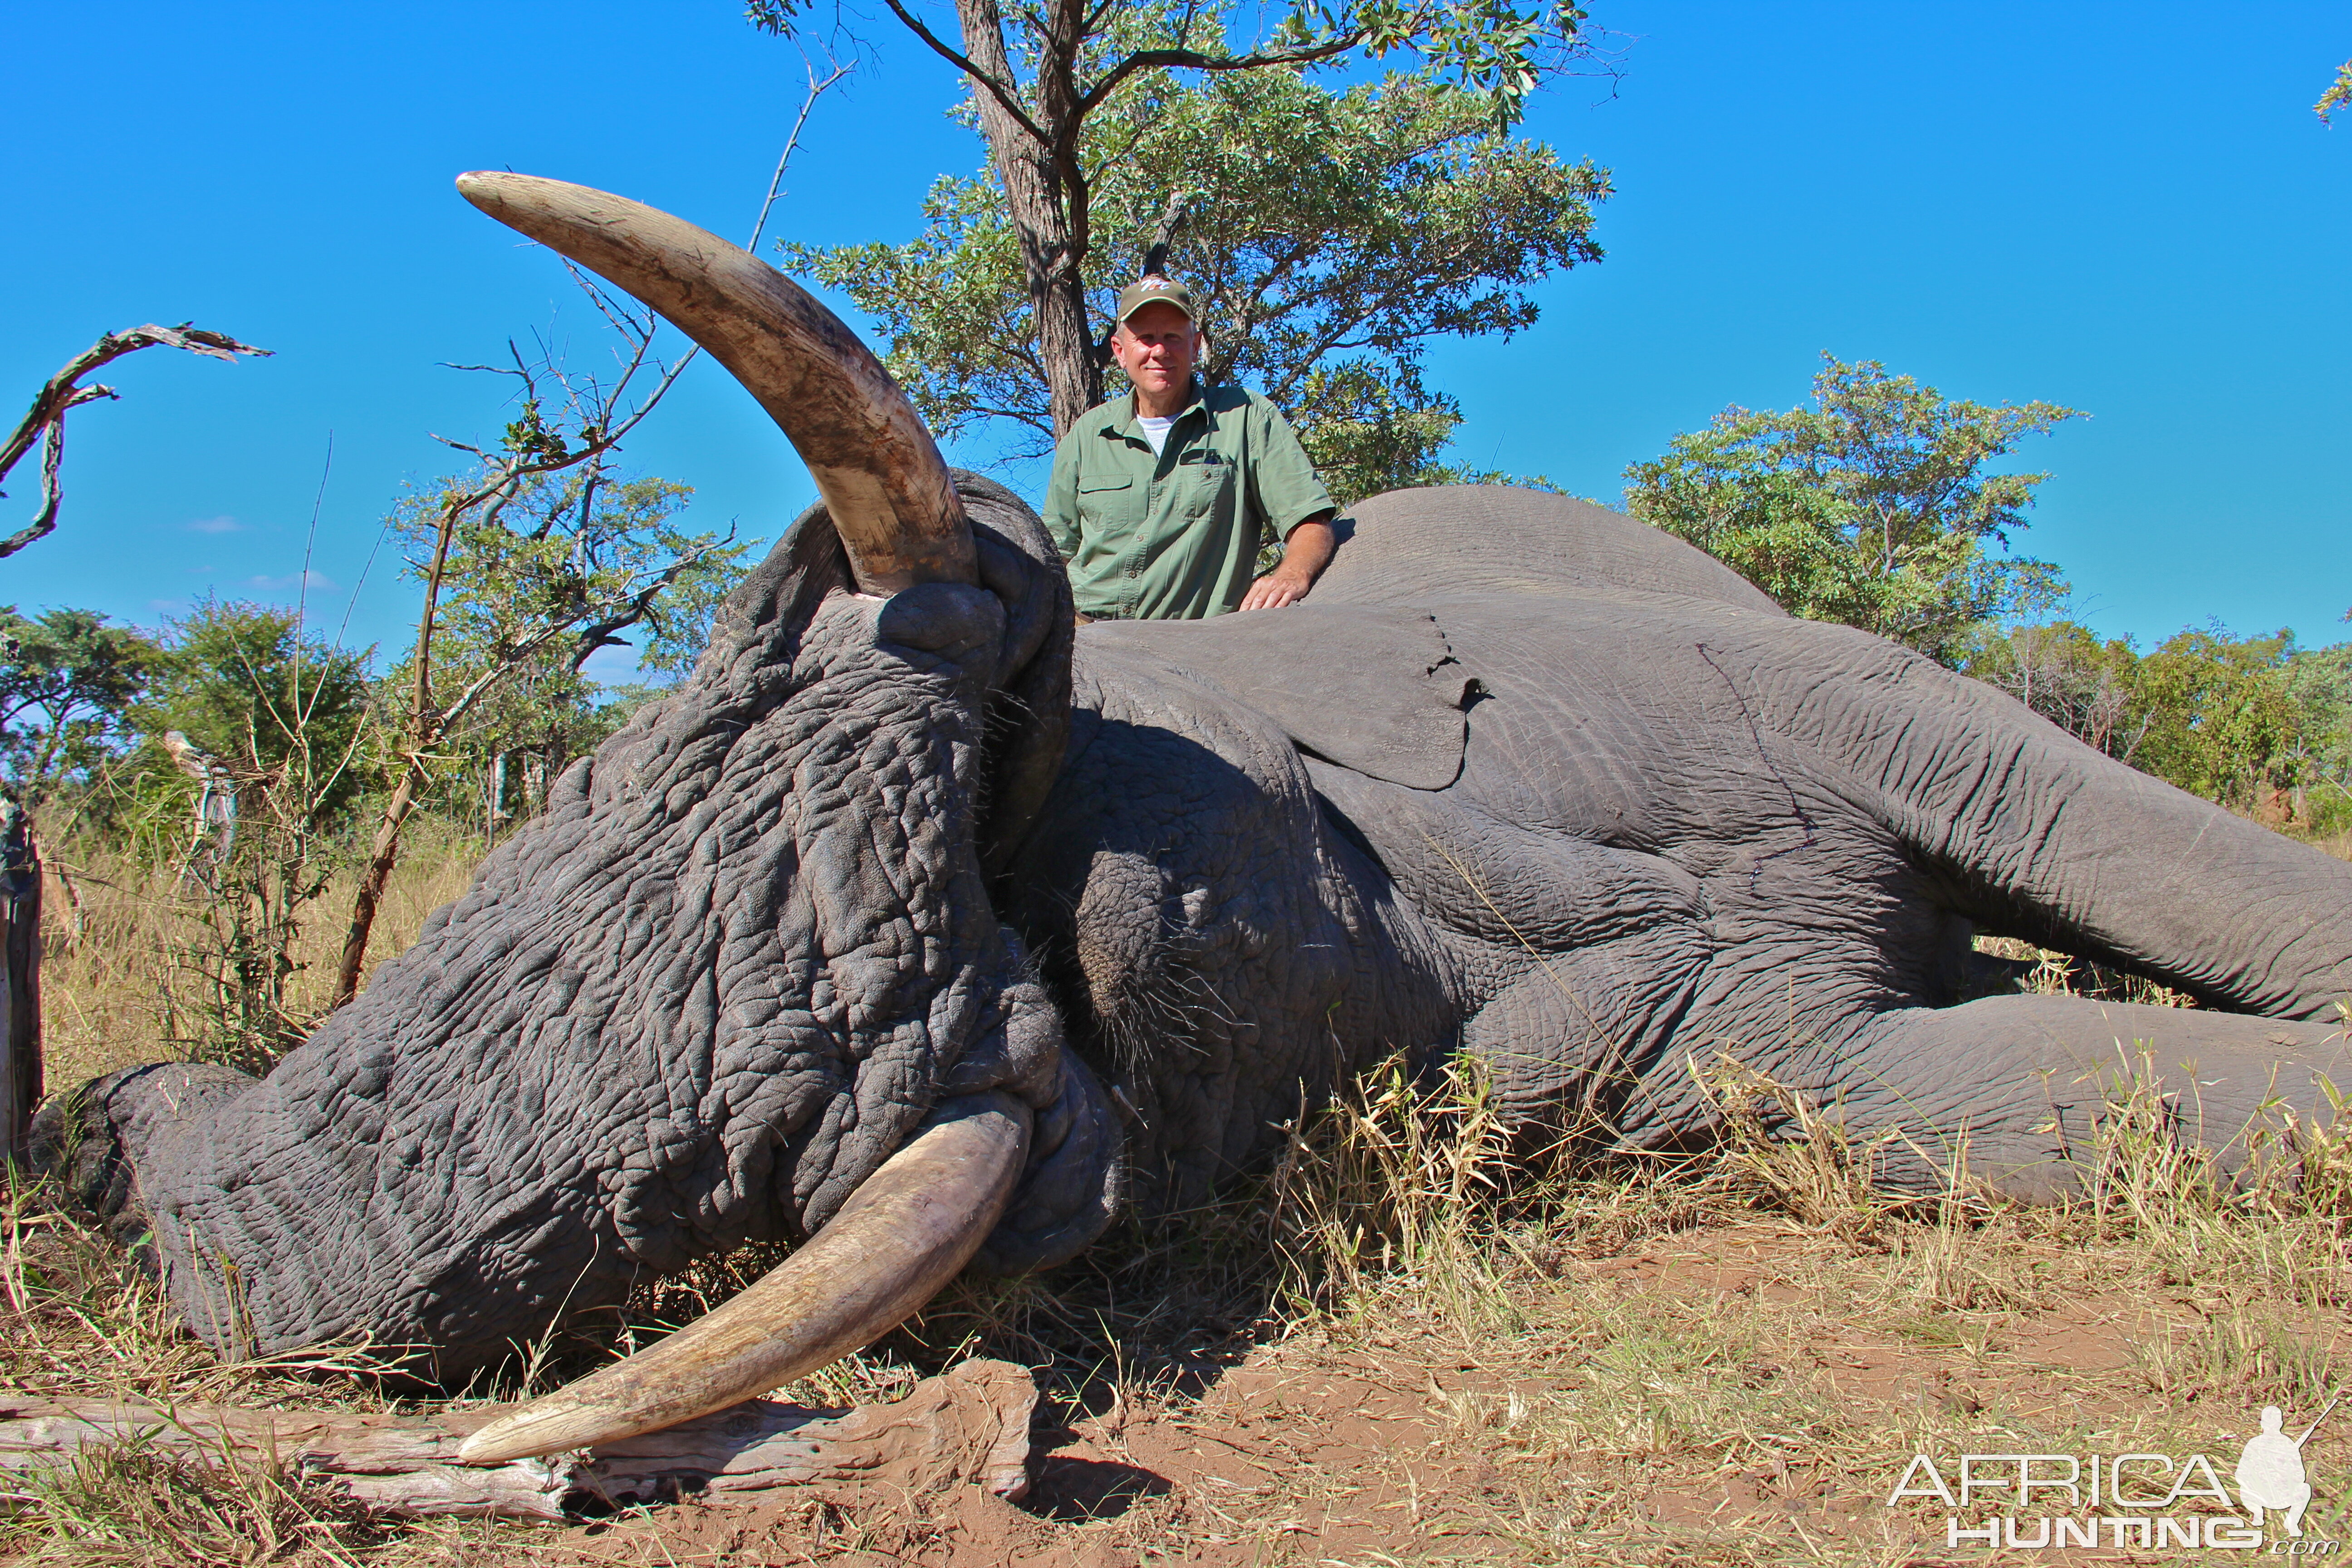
{"points": [[1749, 1391]]}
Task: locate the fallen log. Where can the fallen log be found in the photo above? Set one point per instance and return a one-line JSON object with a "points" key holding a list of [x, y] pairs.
{"points": [[970, 1425]]}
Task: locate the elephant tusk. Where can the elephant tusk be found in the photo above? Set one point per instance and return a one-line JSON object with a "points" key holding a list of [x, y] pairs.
{"points": [[882, 477], [906, 1231]]}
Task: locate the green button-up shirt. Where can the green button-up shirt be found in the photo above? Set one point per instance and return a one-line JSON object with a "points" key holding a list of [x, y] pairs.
{"points": [[1174, 535]]}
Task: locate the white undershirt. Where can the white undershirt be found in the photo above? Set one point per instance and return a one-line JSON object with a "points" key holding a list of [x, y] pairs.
{"points": [[1155, 430]]}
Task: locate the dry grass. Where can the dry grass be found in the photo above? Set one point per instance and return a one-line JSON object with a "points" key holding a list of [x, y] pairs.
{"points": [[115, 986], [1722, 1358]]}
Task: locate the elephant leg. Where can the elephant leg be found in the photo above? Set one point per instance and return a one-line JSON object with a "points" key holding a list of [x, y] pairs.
{"points": [[2014, 1091], [2032, 834]]}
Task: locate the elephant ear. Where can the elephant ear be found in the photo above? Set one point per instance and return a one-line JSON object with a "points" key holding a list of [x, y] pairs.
{"points": [[1375, 690]]}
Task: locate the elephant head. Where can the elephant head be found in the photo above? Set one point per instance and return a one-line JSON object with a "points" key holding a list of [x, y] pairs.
{"points": [[742, 981]]}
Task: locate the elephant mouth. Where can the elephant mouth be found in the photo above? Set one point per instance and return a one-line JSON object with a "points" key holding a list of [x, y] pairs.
{"points": [[932, 1205]]}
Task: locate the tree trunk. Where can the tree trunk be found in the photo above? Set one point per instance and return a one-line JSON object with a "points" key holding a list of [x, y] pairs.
{"points": [[1052, 247], [381, 858], [969, 1425], [20, 980], [534, 780], [497, 805]]}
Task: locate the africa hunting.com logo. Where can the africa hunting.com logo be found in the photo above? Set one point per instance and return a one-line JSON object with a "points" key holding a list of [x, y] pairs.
{"points": [[2149, 1501]]}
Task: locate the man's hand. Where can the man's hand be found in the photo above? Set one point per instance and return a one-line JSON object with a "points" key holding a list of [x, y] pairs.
{"points": [[1276, 589], [1305, 553]]}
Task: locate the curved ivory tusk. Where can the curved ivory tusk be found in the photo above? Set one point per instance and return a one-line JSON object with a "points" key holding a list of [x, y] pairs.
{"points": [[906, 1231], [881, 476]]}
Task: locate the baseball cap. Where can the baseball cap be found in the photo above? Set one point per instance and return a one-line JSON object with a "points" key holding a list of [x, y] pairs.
{"points": [[1157, 290]]}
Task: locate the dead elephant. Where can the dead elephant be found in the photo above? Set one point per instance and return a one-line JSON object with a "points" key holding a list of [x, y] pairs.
{"points": [[924, 929]]}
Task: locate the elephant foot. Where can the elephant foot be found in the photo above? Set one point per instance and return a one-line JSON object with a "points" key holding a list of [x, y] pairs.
{"points": [[87, 1140]]}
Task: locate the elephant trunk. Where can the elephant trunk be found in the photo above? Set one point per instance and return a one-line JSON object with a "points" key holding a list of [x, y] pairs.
{"points": [[908, 1230], [881, 476]]}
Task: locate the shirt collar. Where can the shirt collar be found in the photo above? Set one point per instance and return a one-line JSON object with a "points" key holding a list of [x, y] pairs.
{"points": [[1126, 425]]}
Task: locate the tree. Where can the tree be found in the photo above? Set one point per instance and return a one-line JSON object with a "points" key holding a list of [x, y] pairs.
{"points": [[1871, 507], [1037, 75], [255, 733], [79, 676], [249, 687], [2254, 723], [588, 554], [2224, 717], [2088, 687], [1419, 221]]}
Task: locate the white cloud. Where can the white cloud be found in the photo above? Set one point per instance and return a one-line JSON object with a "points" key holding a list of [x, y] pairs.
{"points": [[301, 580], [216, 525]]}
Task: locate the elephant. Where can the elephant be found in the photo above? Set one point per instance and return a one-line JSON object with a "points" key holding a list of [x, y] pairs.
{"points": [[926, 929]]}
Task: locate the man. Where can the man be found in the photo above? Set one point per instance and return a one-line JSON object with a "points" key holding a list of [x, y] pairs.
{"points": [[1159, 499]]}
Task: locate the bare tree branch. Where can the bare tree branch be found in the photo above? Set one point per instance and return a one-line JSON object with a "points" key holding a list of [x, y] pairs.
{"points": [[1196, 59], [815, 90], [1004, 91], [61, 391]]}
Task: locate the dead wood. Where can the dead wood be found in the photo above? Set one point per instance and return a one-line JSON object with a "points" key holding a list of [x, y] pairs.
{"points": [[20, 979], [62, 391], [969, 1425]]}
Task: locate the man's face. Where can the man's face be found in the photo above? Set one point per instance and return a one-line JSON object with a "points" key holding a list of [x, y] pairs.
{"points": [[1156, 346]]}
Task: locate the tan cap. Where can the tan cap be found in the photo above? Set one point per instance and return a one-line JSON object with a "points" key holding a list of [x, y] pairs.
{"points": [[1158, 291]]}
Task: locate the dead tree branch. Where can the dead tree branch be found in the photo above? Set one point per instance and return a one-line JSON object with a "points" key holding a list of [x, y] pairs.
{"points": [[63, 391], [969, 1426]]}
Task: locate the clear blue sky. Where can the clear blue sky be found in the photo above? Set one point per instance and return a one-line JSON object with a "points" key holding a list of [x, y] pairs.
{"points": [[2127, 208]]}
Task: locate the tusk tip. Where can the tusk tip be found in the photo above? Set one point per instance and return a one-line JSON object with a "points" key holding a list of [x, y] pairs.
{"points": [[531, 1432], [479, 187], [496, 191]]}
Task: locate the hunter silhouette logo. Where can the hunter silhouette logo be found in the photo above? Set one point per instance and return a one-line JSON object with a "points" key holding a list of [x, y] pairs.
{"points": [[2270, 1471], [2121, 1500]]}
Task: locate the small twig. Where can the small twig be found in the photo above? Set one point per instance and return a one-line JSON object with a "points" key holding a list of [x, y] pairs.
{"points": [[815, 90]]}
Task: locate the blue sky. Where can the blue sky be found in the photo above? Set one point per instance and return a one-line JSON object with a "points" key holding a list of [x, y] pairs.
{"points": [[2126, 208]]}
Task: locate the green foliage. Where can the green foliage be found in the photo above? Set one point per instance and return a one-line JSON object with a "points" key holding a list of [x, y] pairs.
{"points": [[565, 564], [561, 566], [1329, 234], [2338, 94], [2088, 687], [68, 680], [256, 738], [1873, 506], [2221, 714], [248, 688], [2255, 723]]}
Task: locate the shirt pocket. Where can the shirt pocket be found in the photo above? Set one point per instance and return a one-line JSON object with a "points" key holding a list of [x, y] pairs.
{"points": [[1213, 480], [1107, 501]]}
